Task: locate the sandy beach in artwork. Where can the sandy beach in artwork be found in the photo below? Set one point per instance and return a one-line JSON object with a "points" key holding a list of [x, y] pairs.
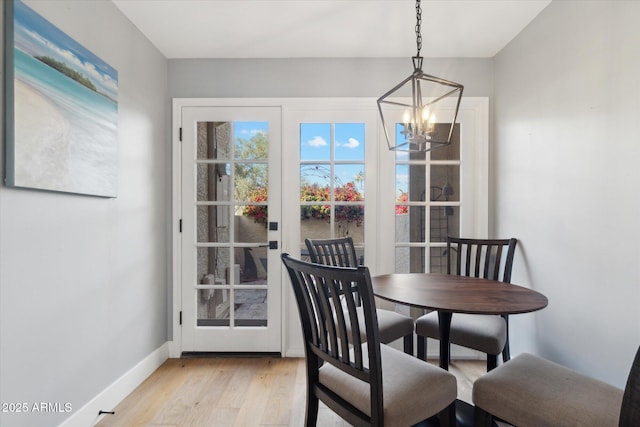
{"points": [[42, 140]]}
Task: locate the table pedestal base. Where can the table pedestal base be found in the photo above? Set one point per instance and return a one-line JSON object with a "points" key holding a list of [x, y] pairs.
{"points": [[464, 416]]}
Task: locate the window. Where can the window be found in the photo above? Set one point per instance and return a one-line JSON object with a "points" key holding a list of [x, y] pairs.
{"points": [[427, 206], [332, 180]]}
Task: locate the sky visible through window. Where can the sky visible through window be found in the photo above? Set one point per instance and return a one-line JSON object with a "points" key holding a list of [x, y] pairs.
{"points": [[348, 144], [402, 170], [246, 130], [315, 146]]}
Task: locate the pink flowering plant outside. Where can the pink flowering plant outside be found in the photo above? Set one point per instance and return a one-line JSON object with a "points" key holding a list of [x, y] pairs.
{"points": [[345, 215], [257, 212], [349, 214], [315, 193], [402, 198]]}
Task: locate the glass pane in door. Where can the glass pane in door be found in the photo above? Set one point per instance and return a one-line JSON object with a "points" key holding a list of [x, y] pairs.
{"points": [[213, 303], [232, 214]]}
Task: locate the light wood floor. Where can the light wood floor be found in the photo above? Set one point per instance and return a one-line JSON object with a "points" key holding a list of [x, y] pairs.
{"points": [[240, 392]]}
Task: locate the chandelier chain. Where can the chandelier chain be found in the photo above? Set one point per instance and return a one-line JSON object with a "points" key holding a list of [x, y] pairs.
{"points": [[418, 25]]}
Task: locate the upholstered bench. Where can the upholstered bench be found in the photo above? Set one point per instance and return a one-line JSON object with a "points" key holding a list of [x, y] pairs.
{"points": [[531, 391]]}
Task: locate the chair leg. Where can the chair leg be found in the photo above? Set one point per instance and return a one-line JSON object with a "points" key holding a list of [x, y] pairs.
{"points": [[408, 344], [492, 361], [448, 416], [422, 347], [506, 354], [482, 418], [311, 417]]}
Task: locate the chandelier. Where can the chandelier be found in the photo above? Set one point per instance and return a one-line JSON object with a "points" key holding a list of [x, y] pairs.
{"points": [[421, 130]]}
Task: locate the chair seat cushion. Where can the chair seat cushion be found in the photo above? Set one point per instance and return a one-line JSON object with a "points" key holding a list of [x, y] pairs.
{"points": [[531, 391], [391, 325], [413, 390], [485, 333]]}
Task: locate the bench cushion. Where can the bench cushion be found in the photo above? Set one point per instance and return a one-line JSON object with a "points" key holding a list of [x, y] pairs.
{"points": [[531, 391]]}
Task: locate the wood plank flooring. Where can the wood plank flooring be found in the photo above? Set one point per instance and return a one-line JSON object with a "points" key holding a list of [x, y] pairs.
{"points": [[238, 392]]}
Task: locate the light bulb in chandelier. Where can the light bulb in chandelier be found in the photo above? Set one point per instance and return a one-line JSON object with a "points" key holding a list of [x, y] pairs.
{"points": [[420, 131]]}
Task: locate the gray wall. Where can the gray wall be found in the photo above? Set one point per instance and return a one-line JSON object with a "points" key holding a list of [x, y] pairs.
{"points": [[566, 181], [84, 280], [254, 78]]}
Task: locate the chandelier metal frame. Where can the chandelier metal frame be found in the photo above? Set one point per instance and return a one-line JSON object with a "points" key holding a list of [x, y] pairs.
{"points": [[420, 126]]}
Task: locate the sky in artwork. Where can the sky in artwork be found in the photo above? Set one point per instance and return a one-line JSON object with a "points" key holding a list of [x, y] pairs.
{"points": [[36, 36]]}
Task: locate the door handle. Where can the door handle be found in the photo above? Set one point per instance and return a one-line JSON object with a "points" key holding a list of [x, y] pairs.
{"points": [[273, 244]]}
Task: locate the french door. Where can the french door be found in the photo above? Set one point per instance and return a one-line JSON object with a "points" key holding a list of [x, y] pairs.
{"points": [[230, 222]]}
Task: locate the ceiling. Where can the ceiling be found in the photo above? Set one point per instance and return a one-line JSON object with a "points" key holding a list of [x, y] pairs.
{"points": [[328, 28]]}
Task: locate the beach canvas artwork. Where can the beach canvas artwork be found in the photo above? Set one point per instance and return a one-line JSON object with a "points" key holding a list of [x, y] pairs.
{"points": [[65, 111]]}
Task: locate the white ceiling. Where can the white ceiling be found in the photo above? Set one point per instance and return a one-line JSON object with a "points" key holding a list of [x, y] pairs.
{"points": [[328, 28]]}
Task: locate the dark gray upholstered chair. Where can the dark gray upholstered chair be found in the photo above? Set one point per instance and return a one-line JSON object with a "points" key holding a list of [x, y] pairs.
{"points": [[531, 391], [365, 383], [488, 259], [341, 252]]}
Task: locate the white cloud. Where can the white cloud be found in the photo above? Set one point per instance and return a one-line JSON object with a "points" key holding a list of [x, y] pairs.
{"points": [[252, 132], [353, 143], [317, 141]]}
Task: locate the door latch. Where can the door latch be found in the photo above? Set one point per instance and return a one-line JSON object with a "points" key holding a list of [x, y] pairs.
{"points": [[273, 244]]}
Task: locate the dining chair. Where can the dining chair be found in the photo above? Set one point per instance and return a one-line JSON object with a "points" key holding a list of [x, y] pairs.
{"points": [[532, 391], [488, 259], [365, 383], [341, 252]]}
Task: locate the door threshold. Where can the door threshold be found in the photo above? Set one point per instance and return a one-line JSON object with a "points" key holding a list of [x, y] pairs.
{"points": [[227, 354]]}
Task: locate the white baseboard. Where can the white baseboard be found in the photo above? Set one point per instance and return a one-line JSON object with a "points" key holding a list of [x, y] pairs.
{"points": [[118, 390], [294, 352], [175, 350]]}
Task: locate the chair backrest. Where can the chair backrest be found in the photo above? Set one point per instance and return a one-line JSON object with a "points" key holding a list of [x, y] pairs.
{"points": [[324, 326], [339, 252], [486, 258], [630, 412]]}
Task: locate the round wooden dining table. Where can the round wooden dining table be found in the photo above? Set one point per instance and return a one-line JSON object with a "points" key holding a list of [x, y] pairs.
{"points": [[450, 294]]}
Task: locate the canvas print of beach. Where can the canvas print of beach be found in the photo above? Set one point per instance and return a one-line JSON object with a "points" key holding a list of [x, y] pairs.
{"points": [[65, 111]]}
